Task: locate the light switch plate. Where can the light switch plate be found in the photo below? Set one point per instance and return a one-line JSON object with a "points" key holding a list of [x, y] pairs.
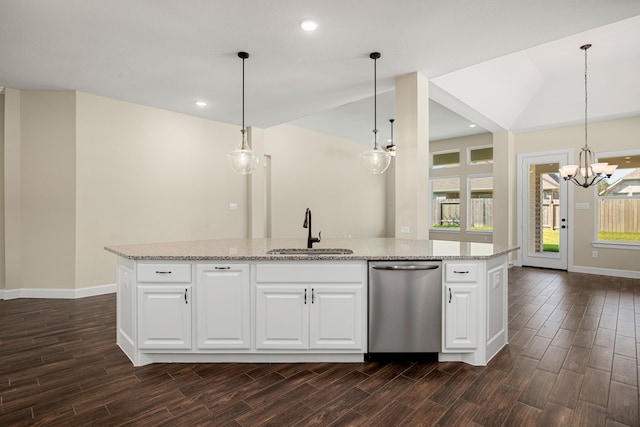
{"points": [[405, 229], [582, 206]]}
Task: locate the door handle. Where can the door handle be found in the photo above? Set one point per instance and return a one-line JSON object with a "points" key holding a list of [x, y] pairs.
{"points": [[450, 295], [305, 296], [405, 267], [313, 295], [185, 296]]}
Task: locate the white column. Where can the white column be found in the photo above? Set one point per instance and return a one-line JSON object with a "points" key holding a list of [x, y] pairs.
{"points": [[504, 189], [412, 160], [256, 203]]}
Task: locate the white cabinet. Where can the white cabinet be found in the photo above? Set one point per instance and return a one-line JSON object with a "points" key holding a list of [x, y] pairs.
{"points": [[223, 319], [310, 306], [461, 317], [164, 316], [164, 306], [475, 309], [336, 317], [282, 317], [461, 306]]}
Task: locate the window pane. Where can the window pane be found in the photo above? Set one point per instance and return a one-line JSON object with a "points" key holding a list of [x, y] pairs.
{"points": [[445, 203], [481, 155], [446, 160], [619, 201], [481, 199]]}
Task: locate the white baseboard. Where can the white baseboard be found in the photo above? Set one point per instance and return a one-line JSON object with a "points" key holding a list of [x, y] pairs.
{"points": [[606, 272], [57, 293]]}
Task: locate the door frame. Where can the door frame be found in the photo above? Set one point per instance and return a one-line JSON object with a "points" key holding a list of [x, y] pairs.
{"points": [[568, 194]]}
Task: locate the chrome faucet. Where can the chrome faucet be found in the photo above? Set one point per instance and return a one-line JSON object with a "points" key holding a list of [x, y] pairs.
{"points": [[307, 224]]}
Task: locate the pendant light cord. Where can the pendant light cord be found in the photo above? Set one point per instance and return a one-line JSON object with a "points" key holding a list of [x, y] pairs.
{"points": [[243, 129], [585, 47], [243, 56], [375, 56]]}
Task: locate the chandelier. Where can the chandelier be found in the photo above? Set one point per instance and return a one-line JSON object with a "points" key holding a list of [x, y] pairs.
{"points": [[586, 173]]}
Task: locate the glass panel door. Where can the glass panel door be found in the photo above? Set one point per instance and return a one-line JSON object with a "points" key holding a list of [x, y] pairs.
{"points": [[544, 212]]}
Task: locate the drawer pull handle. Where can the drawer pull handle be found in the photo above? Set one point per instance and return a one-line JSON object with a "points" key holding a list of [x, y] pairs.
{"points": [[163, 272], [223, 268], [185, 296], [313, 295], [449, 295], [305, 296], [461, 272]]}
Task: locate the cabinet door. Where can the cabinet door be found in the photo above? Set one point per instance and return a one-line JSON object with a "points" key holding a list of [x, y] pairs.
{"points": [[336, 317], [164, 317], [223, 306], [461, 317], [282, 317]]}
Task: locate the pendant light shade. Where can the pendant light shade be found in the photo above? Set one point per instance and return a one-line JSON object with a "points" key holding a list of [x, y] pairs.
{"points": [[376, 160], [242, 160], [586, 173]]}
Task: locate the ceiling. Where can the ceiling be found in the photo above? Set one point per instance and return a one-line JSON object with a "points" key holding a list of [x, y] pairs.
{"points": [[501, 64]]}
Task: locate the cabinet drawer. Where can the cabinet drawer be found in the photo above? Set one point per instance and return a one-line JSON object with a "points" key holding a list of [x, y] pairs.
{"points": [[164, 273], [461, 273]]}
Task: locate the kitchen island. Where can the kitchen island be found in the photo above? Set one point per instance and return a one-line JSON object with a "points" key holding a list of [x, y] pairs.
{"points": [[233, 301]]}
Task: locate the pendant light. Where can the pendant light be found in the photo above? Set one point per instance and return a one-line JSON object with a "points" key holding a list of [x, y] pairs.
{"points": [[376, 160], [242, 160], [586, 173], [391, 148]]}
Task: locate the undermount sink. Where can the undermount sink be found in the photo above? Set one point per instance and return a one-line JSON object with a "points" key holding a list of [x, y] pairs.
{"points": [[310, 251]]}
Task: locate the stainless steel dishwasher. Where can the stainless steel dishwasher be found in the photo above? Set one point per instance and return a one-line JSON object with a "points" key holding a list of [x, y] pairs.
{"points": [[405, 307]]}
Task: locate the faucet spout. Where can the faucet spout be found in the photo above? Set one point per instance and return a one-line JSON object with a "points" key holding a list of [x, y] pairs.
{"points": [[307, 224]]}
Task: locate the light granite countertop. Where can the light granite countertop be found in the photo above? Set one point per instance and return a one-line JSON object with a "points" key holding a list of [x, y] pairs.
{"points": [[363, 249]]}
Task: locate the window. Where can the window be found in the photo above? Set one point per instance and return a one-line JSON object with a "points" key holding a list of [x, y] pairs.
{"points": [[445, 159], [619, 200], [480, 203], [480, 155], [445, 203]]}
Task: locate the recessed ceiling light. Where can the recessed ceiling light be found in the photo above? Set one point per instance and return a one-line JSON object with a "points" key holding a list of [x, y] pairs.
{"points": [[472, 125], [308, 24], [201, 103]]}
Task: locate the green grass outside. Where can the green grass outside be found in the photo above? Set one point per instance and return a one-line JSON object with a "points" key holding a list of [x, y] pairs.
{"points": [[550, 242], [619, 237]]}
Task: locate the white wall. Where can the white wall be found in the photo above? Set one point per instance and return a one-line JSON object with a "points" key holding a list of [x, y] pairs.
{"points": [[84, 171], [39, 189], [322, 172], [150, 175]]}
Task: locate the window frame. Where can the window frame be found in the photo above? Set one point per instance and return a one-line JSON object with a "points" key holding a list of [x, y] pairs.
{"points": [[431, 227], [468, 203], [435, 153], [478, 147], [611, 244]]}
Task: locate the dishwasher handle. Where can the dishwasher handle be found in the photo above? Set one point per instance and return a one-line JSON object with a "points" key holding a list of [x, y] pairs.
{"points": [[411, 267]]}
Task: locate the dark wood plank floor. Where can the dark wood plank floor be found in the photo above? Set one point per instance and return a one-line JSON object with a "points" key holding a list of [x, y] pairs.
{"points": [[572, 361]]}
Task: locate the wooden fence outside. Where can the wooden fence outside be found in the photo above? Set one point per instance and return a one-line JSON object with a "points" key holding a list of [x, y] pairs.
{"points": [[446, 212], [619, 215]]}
